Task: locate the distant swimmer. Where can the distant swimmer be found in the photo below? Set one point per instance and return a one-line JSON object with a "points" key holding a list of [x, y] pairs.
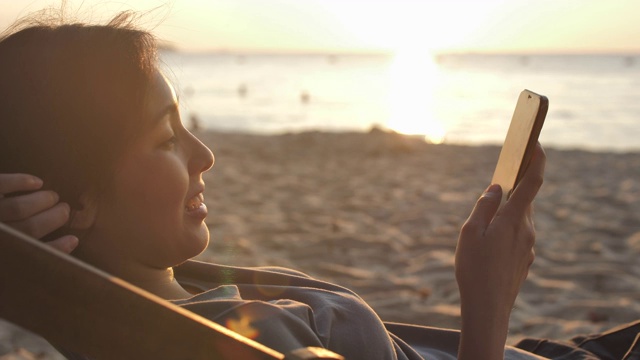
{"points": [[242, 90], [195, 122], [305, 97]]}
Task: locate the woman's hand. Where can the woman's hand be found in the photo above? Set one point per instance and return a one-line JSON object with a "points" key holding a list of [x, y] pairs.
{"points": [[493, 256], [36, 212]]}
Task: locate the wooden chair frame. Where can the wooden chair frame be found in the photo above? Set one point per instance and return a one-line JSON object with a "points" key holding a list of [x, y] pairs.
{"points": [[81, 308]]}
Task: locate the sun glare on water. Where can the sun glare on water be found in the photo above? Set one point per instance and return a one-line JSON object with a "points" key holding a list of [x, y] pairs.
{"points": [[412, 30], [413, 80]]}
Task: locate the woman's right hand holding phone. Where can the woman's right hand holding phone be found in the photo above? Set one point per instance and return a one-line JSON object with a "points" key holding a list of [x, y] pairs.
{"points": [[35, 212], [493, 256]]}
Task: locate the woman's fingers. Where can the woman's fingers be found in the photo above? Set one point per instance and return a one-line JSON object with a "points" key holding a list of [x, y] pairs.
{"points": [[484, 210], [44, 222], [36, 213], [10, 183], [526, 191], [23, 206], [66, 244]]}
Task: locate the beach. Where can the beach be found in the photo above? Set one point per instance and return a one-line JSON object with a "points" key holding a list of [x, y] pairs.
{"points": [[379, 213]]}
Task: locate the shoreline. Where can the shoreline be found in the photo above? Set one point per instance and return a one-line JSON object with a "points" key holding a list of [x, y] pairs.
{"points": [[417, 137], [412, 137], [380, 212]]}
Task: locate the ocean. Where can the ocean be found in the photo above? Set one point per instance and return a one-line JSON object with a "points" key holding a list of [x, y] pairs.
{"points": [[450, 98]]}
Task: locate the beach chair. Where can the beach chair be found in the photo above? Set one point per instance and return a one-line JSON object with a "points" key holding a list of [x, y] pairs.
{"points": [[78, 307]]}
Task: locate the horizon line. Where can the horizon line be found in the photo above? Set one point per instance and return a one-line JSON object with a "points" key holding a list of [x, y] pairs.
{"points": [[386, 52]]}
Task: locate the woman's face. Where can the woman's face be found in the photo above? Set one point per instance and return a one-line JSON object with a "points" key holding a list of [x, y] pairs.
{"points": [[154, 215]]}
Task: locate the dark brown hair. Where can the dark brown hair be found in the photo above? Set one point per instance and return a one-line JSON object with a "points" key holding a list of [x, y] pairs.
{"points": [[71, 99]]}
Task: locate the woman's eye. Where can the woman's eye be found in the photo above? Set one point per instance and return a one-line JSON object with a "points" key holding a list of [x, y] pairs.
{"points": [[169, 144]]}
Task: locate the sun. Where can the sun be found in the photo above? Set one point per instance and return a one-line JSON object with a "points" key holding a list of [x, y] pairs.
{"points": [[413, 78]]}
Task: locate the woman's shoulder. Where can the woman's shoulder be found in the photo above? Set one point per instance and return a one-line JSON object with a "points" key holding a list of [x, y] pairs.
{"points": [[288, 304]]}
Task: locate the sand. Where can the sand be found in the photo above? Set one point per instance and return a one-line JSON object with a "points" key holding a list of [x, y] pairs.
{"points": [[380, 213]]}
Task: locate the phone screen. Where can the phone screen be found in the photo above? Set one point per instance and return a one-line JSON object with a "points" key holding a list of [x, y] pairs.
{"points": [[520, 141]]}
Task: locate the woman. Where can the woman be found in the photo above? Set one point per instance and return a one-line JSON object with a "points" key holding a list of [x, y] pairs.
{"points": [[119, 183]]}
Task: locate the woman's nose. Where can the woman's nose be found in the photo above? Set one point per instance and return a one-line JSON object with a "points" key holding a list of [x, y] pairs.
{"points": [[202, 158]]}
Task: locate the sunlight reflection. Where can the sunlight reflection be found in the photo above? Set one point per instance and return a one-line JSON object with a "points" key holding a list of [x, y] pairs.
{"points": [[413, 80]]}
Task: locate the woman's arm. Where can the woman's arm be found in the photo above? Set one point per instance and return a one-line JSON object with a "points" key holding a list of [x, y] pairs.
{"points": [[35, 212], [493, 256]]}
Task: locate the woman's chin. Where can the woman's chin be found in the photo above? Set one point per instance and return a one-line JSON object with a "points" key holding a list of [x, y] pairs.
{"points": [[200, 241]]}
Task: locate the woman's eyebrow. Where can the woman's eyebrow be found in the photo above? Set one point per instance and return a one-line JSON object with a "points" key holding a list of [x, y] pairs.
{"points": [[169, 109]]}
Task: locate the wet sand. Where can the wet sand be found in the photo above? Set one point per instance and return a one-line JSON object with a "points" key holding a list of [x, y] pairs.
{"points": [[380, 213]]}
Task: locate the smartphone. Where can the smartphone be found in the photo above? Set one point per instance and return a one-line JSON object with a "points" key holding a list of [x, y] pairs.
{"points": [[520, 141]]}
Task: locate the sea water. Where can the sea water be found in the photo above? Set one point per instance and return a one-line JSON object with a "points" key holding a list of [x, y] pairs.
{"points": [[454, 98]]}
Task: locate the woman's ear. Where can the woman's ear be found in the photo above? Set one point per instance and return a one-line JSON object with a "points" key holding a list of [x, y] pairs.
{"points": [[83, 213]]}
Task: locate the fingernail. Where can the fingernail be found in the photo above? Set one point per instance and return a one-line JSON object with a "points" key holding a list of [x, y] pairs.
{"points": [[67, 208], [72, 243], [36, 181], [492, 190]]}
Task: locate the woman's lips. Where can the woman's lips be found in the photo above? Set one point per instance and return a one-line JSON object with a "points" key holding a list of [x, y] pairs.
{"points": [[196, 207]]}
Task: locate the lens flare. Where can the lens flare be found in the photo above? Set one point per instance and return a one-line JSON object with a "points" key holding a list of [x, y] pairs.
{"points": [[243, 327]]}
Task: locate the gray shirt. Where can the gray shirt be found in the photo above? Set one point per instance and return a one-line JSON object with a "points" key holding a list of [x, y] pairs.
{"points": [[286, 310]]}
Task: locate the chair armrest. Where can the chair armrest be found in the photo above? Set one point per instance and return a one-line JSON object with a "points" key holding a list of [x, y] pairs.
{"points": [[84, 309]]}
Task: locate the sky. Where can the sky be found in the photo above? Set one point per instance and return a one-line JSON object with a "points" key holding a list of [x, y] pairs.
{"points": [[505, 26]]}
